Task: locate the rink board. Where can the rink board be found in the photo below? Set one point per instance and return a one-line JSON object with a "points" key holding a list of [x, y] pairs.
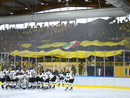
{"points": [[101, 82]]}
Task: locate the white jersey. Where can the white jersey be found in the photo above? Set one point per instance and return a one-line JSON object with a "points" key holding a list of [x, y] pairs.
{"points": [[69, 76], [13, 74], [61, 75], [51, 76], [48, 73], [28, 73], [2, 74], [45, 76], [32, 73], [20, 72], [40, 75], [7, 72]]}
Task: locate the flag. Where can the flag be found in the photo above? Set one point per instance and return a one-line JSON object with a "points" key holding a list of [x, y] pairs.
{"points": [[71, 44], [99, 71], [127, 71]]}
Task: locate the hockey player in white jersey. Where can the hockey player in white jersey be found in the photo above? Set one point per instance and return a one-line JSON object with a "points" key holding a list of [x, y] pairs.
{"points": [[32, 78], [52, 80], [45, 78], [7, 77], [61, 79], [19, 72], [13, 78], [2, 79], [19, 75], [39, 80], [69, 79], [6, 71]]}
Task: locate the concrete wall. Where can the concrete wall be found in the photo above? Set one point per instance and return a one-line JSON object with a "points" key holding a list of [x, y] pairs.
{"points": [[102, 81]]}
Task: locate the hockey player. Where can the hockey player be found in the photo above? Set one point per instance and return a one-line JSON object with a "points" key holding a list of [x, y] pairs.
{"points": [[61, 79], [52, 80], [7, 77], [19, 72], [2, 79], [13, 78], [32, 78], [39, 80], [24, 83], [69, 79], [45, 78], [19, 75]]}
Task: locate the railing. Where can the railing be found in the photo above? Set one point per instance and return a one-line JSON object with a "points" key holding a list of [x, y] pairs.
{"points": [[117, 65]]}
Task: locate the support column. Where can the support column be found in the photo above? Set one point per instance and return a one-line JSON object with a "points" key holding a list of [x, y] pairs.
{"points": [[124, 63], [51, 61], [104, 63], [36, 63], [77, 73], [95, 64], [44, 60], [1, 61], [114, 63], [68, 60], [60, 60], [22, 60], [86, 65]]}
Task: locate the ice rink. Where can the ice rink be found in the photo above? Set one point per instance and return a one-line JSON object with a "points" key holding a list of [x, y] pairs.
{"points": [[59, 92]]}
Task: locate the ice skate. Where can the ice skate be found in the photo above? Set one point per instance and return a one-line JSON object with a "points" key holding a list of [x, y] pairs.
{"points": [[53, 86], [58, 85], [66, 88], [71, 88]]}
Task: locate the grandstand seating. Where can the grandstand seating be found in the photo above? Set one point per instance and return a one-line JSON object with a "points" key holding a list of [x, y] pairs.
{"points": [[101, 30]]}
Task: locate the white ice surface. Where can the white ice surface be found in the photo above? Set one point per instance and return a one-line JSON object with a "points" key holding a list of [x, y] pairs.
{"points": [[59, 92]]}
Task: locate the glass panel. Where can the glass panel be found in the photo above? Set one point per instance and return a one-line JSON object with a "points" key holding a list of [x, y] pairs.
{"points": [[4, 60], [127, 63], [81, 64], [100, 66], [91, 65], [118, 65], [109, 65]]}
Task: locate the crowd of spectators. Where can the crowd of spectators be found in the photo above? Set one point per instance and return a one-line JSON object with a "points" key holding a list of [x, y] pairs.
{"points": [[102, 30]]}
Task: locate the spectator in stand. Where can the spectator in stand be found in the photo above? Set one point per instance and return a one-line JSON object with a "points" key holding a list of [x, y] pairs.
{"points": [[73, 69], [128, 60], [92, 61]]}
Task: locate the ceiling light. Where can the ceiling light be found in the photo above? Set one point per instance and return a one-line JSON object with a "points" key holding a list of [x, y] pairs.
{"points": [[89, 1], [86, 0], [59, 0], [26, 8], [11, 13], [42, 3]]}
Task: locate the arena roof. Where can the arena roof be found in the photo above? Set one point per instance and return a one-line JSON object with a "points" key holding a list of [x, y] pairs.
{"points": [[25, 7]]}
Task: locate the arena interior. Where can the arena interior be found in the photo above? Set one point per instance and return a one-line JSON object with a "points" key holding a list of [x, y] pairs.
{"points": [[82, 47]]}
